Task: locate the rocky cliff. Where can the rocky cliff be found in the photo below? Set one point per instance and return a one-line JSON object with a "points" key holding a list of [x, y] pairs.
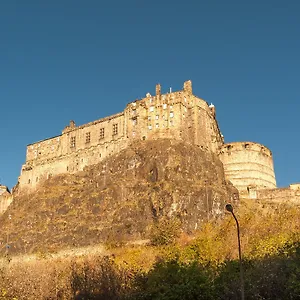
{"points": [[5, 198], [120, 198]]}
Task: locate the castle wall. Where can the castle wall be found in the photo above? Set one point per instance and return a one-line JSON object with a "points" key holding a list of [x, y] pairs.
{"points": [[248, 164], [176, 115], [76, 148], [280, 195]]}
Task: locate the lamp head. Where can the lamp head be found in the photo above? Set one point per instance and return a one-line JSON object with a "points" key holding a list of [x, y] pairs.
{"points": [[229, 207]]}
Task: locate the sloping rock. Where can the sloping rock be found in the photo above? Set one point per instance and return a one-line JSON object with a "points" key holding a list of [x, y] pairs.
{"points": [[120, 198]]}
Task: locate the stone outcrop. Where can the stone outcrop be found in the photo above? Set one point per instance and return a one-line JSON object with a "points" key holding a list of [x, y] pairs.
{"points": [[5, 198], [121, 198]]}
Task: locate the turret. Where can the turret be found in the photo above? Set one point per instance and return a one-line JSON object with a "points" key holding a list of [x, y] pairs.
{"points": [[187, 87]]}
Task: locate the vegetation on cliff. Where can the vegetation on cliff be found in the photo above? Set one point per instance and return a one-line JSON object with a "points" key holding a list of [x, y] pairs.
{"points": [[199, 266]]}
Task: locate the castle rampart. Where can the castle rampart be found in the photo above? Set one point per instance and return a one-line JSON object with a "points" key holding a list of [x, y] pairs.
{"points": [[279, 195]]}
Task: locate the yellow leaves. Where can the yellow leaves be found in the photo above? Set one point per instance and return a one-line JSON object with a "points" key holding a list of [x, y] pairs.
{"points": [[268, 246]]}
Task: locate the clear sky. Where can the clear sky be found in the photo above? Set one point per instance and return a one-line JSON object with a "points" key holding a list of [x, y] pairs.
{"points": [[84, 60]]}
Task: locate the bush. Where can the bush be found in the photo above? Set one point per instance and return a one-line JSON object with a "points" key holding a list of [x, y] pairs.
{"points": [[171, 281], [165, 232]]}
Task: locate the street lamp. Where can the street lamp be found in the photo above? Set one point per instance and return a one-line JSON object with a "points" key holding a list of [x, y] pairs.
{"points": [[230, 209]]}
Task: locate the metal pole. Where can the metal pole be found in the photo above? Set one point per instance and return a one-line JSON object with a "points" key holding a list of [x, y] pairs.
{"points": [[240, 257], [230, 209]]}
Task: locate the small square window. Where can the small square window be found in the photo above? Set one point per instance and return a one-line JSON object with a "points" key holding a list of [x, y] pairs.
{"points": [[115, 129], [73, 142], [164, 106], [156, 125], [87, 137], [156, 117], [171, 114], [101, 133], [150, 127], [152, 108]]}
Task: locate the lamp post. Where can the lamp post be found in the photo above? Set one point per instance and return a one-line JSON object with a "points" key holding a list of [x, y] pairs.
{"points": [[230, 209]]}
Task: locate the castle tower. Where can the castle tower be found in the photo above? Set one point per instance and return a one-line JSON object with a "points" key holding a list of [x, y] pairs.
{"points": [[248, 165]]}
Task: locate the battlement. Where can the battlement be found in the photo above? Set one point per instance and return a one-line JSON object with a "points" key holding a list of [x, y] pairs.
{"points": [[242, 146]]}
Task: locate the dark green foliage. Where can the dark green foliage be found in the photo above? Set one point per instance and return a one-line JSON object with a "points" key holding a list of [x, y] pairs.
{"points": [[171, 281], [275, 278]]}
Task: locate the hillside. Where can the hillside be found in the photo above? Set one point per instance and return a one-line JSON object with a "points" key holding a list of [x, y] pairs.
{"points": [[120, 199]]}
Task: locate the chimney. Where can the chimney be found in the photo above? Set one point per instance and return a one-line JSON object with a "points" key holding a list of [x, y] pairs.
{"points": [[158, 90], [187, 87]]}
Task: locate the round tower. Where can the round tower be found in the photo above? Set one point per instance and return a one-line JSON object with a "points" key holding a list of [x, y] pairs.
{"points": [[248, 165]]}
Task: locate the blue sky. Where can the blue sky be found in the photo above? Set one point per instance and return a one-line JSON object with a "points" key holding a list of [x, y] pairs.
{"points": [[84, 60]]}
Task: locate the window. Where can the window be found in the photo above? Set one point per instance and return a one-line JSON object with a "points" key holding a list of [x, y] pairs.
{"points": [[156, 117], [134, 121], [87, 137], [73, 142], [171, 114], [164, 106], [101, 135], [115, 129], [156, 125], [151, 108]]}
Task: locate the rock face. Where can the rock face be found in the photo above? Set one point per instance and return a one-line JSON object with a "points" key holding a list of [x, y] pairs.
{"points": [[120, 198], [5, 198]]}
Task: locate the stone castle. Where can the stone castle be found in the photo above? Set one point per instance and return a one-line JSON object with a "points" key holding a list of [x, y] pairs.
{"points": [[176, 115]]}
